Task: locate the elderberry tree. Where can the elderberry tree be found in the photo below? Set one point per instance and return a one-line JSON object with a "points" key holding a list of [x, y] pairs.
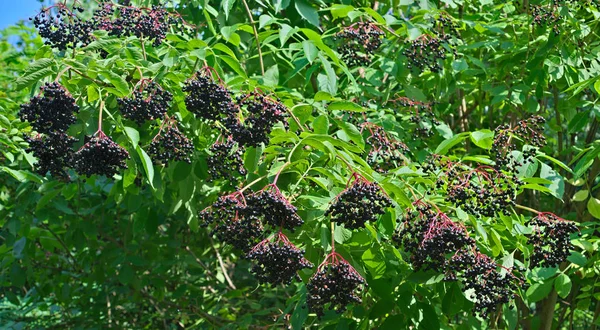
{"points": [[168, 164]]}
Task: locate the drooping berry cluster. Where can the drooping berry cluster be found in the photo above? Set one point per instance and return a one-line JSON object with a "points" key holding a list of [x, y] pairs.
{"points": [[530, 131], [334, 286], [148, 23], [431, 237], [208, 99], [260, 114], [54, 152], [277, 261], [358, 43], [480, 191], [54, 111], [421, 114], [273, 208], [230, 223], [170, 144], [51, 115], [360, 202], [490, 284], [386, 152], [546, 16], [551, 240], [61, 28], [100, 155], [225, 160], [149, 102], [425, 52]]}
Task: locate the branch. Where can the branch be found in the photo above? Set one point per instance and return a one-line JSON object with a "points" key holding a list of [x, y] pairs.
{"points": [[71, 258], [253, 23], [222, 265]]}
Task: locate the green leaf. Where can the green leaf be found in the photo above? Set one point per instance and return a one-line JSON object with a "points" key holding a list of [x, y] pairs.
{"points": [[483, 138], [18, 247], [119, 82], [345, 106], [453, 300], [593, 206], [557, 187], [227, 5], [577, 258], [577, 123], [581, 195], [285, 33], [447, 144], [310, 51], [555, 161], [147, 163], [352, 132], [342, 234], [233, 64], [133, 135], [126, 274], [271, 77], [562, 285], [36, 72], [539, 291], [321, 125], [338, 10], [307, 12]]}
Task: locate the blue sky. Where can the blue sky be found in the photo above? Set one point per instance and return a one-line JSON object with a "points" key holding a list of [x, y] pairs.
{"points": [[12, 11]]}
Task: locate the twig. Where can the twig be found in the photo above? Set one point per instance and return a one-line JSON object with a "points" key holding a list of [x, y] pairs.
{"points": [[527, 208], [222, 265], [187, 248], [62, 243], [253, 23]]}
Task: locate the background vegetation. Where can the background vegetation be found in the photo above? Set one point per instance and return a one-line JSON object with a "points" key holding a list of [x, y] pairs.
{"points": [[129, 251]]}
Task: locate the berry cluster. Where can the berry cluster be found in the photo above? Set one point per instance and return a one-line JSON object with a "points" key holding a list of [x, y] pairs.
{"points": [[359, 42], [261, 114], [100, 155], [425, 52], [446, 28], [208, 99], [277, 261], [491, 284], [551, 240], [546, 16], [51, 115], [54, 111], [63, 29], [273, 208], [335, 285], [231, 224], [386, 152], [170, 144], [225, 158], [148, 103], [421, 114], [481, 191], [530, 131], [53, 152], [149, 23], [360, 202], [430, 237]]}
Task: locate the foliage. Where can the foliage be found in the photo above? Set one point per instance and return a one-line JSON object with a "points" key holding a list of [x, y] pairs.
{"points": [[433, 111]]}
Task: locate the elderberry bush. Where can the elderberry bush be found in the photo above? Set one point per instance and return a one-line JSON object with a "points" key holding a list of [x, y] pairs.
{"points": [[480, 191], [54, 152], [530, 131], [63, 29], [260, 114], [277, 261], [273, 209], [551, 240], [208, 99], [430, 237], [148, 103], [53, 111], [170, 144], [225, 161], [358, 43], [361, 202], [230, 224], [100, 155], [334, 286], [488, 286], [385, 152]]}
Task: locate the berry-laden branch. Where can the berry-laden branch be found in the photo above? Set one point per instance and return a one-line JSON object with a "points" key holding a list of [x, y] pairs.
{"points": [[253, 23]]}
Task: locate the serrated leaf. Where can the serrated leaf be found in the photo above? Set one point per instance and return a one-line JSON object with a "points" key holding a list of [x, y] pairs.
{"points": [[36, 72], [447, 144], [310, 51], [227, 5], [539, 291], [345, 106], [147, 163], [119, 82], [483, 138], [307, 12], [321, 125]]}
